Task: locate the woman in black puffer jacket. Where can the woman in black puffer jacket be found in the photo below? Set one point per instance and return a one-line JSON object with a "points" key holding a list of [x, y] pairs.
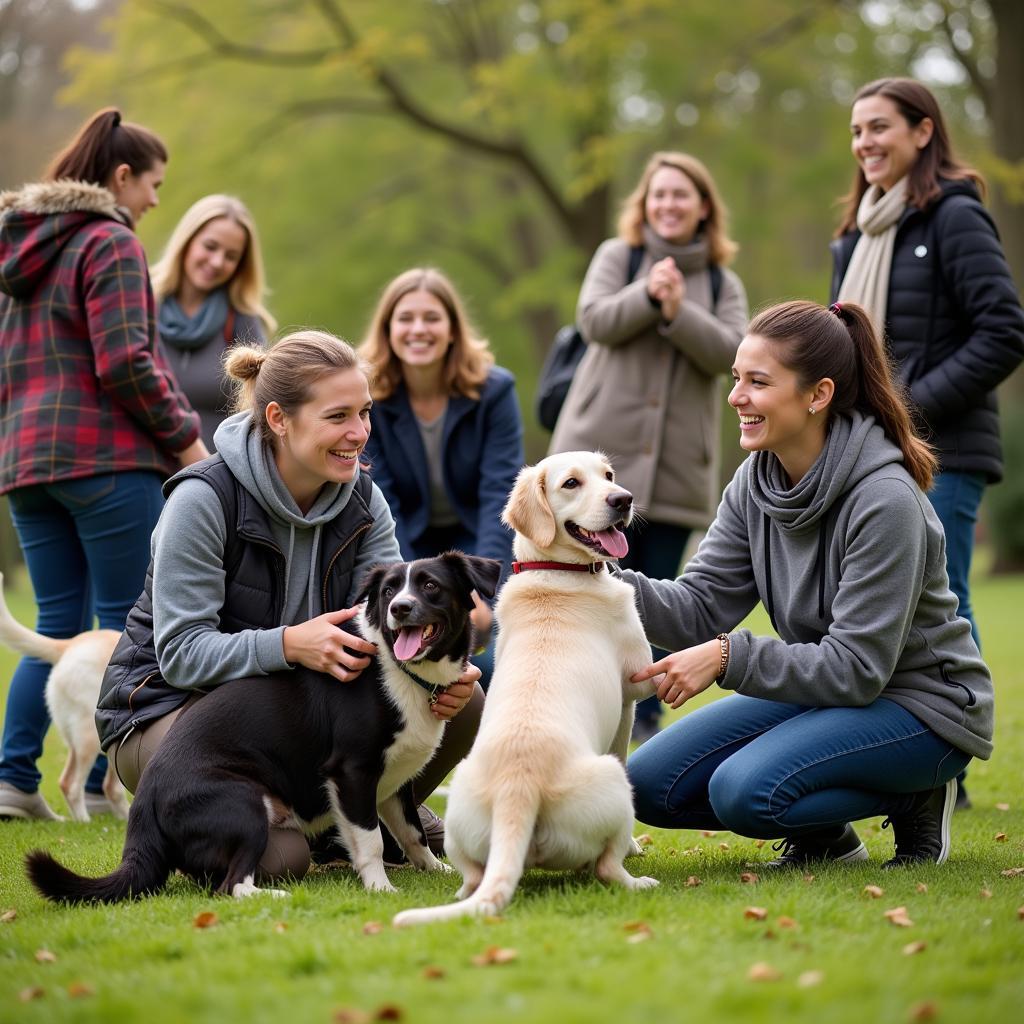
{"points": [[918, 249]]}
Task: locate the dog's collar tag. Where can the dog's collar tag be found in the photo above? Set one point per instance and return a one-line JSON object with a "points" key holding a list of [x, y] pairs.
{"points": [[591, 567]]}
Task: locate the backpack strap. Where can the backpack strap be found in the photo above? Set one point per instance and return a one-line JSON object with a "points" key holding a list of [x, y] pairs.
{"points": [[715, 272], [229, 327], [636, 256]]}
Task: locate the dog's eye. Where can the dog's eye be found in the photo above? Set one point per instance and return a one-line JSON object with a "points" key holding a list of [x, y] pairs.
{"points": [[430, 587], [388, 591], [571, 483], [609, 475]]}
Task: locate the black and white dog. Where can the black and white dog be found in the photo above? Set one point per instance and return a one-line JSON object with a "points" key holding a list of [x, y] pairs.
{"points": [[304, 743]]}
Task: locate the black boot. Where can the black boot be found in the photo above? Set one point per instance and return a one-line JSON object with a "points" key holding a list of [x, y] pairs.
{"points": [[922, 833], [836, 844]]}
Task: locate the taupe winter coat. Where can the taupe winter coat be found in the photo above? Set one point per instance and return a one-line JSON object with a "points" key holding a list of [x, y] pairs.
{"points": [[647, 393]]}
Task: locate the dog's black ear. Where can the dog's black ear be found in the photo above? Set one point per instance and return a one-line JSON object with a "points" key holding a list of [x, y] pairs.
{"points": [[482, 574], [369, 589]]}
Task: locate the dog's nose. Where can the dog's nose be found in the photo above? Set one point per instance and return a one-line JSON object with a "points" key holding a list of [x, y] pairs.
{"points": [[620, 500], [401, 607]]}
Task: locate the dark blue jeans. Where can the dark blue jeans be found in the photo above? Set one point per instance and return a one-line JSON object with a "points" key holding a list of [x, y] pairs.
{"points": [[955, 498], [655, 549], [769, 770], [86, 545]]}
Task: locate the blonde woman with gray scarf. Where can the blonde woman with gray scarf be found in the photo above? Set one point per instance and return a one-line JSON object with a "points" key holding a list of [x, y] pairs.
{"points": [[918, 250]]}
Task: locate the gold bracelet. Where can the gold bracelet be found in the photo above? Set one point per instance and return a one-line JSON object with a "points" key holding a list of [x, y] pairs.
{"points": [[723, 639]]}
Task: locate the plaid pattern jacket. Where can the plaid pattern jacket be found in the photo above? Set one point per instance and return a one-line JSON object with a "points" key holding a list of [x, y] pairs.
{"points": [[84, 387]]}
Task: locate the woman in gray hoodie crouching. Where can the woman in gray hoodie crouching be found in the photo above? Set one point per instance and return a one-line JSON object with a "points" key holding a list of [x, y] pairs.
{"points": [[874, 695]]}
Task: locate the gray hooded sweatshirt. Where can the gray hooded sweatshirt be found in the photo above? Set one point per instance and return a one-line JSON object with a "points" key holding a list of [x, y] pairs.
{"points": [[851, 564], [188, 564]]}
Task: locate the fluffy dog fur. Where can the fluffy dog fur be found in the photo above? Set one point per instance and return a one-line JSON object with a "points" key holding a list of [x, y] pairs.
{"points": [[545, 783], [72, 689], [301, 750]]}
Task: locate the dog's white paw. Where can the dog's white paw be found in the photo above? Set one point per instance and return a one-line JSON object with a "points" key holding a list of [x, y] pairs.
{"points": [[635, 850], [243, 890], [643, 882], [376, 885]]}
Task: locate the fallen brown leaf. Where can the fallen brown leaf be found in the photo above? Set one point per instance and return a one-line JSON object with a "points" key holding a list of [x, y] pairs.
{"points": [[8, 915], [433, 973], [1000, 837], [749, 878], [645, 840], [44, 956], [388, 1012], [708, 834], [494, 955], [205, 919], [898, 916], [760, 842], [810, 978], [986, 893], [26, 995], [787, 922], [921, 887], [808, 879], [692, 882], [763, 972], [1020, 913], [1012, 872], [373, 928], [723, 846], [755, 913], [911, 948], [350, 1015], [281, 927], [923, 1011], [1002, 807], [80, 990], [874, 891]]}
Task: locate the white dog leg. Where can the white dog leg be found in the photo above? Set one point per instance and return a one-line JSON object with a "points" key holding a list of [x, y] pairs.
{"points": [[408, 836], [72, 785]]}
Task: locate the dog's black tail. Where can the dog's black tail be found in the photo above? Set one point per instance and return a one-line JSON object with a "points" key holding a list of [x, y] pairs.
{"points": [[144, 867]]}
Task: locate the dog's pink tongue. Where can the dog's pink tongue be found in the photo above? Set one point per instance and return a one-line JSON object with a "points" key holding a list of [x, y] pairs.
{"points": [[408, 642], [613, 541]]}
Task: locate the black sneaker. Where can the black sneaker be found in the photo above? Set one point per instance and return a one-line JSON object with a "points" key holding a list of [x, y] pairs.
{"points": [[922, 833], [834, 844]]}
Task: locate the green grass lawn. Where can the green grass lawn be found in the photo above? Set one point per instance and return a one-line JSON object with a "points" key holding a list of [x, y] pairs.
{"points": [[578, 952]]}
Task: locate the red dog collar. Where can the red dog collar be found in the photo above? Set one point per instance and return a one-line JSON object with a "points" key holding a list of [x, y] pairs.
{"points": [[593, 567]]}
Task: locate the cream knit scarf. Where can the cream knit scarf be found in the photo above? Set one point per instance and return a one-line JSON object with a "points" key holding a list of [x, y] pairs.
{"points": [[867, 276]]}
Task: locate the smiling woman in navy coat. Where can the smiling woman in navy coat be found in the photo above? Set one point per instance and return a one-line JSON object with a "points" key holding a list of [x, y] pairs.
{"points": [[447, 438]]}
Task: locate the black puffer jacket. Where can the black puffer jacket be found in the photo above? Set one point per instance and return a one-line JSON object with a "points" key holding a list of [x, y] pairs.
{"points": [[954, 324]]}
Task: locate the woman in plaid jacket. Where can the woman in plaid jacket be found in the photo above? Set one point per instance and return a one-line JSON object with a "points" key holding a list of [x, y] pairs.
{"points": [[91, 419]]}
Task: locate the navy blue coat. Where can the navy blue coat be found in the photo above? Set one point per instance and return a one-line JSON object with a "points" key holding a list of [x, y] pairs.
{"points": [[482, 453], [954, 323]]}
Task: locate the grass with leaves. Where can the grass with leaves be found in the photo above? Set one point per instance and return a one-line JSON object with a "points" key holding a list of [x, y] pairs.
{"points": [[720, 939]]}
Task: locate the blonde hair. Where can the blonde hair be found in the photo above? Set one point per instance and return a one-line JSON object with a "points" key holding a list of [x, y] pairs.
{"points": [[468, 359], [721, 248], [247, 286], [286, 372]]}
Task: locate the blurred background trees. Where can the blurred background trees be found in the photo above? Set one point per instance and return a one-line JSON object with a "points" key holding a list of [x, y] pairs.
{"points": [[496, 139]]}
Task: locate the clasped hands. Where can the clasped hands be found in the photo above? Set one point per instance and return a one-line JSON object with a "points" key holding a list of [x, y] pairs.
{"points": [[321, 645], [665, 283], [684, 674]]}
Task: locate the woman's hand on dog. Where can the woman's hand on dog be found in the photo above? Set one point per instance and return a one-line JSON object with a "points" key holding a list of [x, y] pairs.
{"points": [[452, 700], [322, 646], [685, 673]]}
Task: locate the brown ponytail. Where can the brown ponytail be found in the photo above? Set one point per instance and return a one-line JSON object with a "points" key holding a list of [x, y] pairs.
{"points": [[814, 342], [102, 144]]}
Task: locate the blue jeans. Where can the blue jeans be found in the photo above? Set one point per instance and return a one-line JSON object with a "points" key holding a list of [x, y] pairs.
{"points": [[86, 545], [955, 498], [769, 770], [655, 549]]}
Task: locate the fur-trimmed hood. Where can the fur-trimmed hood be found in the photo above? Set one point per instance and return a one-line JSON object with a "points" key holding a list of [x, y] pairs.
{"points": [[37, 221]]}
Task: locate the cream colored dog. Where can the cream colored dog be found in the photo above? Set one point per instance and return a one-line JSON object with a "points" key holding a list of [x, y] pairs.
{"points": [[72, 691], [545, 783]]}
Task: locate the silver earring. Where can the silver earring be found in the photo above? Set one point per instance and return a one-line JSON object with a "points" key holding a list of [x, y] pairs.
{"points": [[812, 410]]}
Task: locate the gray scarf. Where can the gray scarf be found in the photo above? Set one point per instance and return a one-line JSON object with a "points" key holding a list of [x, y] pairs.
{"points": [[189, 333]]}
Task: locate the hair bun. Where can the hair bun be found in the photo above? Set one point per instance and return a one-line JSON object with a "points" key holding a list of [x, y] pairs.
{"points": [[243, 362]]}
